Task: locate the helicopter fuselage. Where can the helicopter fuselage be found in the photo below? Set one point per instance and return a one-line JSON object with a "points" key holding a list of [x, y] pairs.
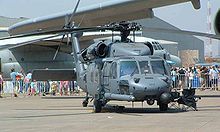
{"points": [[126, 72], [141, 77]]}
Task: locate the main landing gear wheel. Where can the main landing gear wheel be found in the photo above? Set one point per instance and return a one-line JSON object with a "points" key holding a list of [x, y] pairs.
{"points": [[163, 107], [97, 106], [85, 103]]}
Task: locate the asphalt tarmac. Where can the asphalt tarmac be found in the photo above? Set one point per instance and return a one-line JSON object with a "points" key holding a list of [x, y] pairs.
{"points": [[34, 114]]}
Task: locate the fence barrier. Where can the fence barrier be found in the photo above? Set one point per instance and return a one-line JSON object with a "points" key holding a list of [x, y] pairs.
{"points": [[70, 87], [41, 87], [204, 82]]}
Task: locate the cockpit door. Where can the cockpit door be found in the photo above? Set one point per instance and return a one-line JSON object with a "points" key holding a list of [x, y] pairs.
{"points": [[106, 73], [113, 78]]}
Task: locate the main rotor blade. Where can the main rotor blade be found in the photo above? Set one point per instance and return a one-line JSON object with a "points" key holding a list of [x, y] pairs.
{"points": [[214, 36], [63, 31], [55, 55], [58, 48], [74, 12]]}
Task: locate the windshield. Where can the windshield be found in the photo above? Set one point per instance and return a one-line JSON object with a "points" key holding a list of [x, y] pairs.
{"points": [[128, 68], [160, 46], [158, 67], [144, 67]]}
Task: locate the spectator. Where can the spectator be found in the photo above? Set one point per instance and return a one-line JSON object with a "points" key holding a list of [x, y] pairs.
{"points": [[13, 75], [214, 77], [1, 84], [71, 86], [64, 87], [54, 88], [46, 87], [203, 79], [182, 73], [174, 77], [21, 81], [189, 77], [27, 81], [33, 87]]}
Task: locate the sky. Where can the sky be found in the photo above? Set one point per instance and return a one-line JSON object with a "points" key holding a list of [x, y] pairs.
{"points": [[183, 16]]}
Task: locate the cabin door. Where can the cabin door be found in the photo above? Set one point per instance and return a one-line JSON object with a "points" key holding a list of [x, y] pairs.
{"points": [[113, 78]]}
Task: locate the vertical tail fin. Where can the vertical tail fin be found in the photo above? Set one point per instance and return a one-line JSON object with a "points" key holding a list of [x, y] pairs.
{"points": [[80, 69]]}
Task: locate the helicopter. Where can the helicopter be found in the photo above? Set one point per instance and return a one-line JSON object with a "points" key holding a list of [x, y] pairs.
{"points": [[122, 70]]}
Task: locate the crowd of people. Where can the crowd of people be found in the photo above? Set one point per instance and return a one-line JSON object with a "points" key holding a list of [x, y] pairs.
{"points": [[23, 84], [196, 77]]}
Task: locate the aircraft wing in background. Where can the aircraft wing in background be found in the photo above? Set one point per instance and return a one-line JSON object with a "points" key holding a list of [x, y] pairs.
{"points": [[16, 42], [96, 15], [92, 15]]}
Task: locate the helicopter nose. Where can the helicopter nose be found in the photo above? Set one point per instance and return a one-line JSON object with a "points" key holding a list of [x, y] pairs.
{"points": [[153, 86]]}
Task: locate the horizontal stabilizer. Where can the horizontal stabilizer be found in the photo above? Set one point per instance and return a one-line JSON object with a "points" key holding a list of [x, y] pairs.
{"points": [[54, 75]]}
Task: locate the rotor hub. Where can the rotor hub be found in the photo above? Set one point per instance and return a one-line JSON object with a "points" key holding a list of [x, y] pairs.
{"points": [[124, 28]]}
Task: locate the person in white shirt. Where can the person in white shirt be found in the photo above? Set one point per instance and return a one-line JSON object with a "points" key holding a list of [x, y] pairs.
{"points": [[213, 73]]}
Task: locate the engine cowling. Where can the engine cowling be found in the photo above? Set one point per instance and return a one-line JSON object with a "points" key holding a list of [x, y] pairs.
{"points": [[217, 23], [101, 50]]}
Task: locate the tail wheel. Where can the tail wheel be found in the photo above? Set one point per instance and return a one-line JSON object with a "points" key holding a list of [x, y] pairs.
{"points": [[163, 107], [97, 106]]}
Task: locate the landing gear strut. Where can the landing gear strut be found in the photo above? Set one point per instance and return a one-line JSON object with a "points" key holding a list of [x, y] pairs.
{"points": [[86, 101]]}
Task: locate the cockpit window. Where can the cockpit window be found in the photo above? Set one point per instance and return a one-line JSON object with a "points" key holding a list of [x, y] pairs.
{"points": [[128, 68], [160, 46], [155, 47], [144, 67], [158, 67]]}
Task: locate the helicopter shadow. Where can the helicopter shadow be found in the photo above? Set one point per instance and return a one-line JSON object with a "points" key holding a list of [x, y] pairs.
{"points": [[122, 110]]}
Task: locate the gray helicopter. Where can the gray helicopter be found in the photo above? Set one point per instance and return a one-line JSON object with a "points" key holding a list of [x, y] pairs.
{"points": [[122, 70]]}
